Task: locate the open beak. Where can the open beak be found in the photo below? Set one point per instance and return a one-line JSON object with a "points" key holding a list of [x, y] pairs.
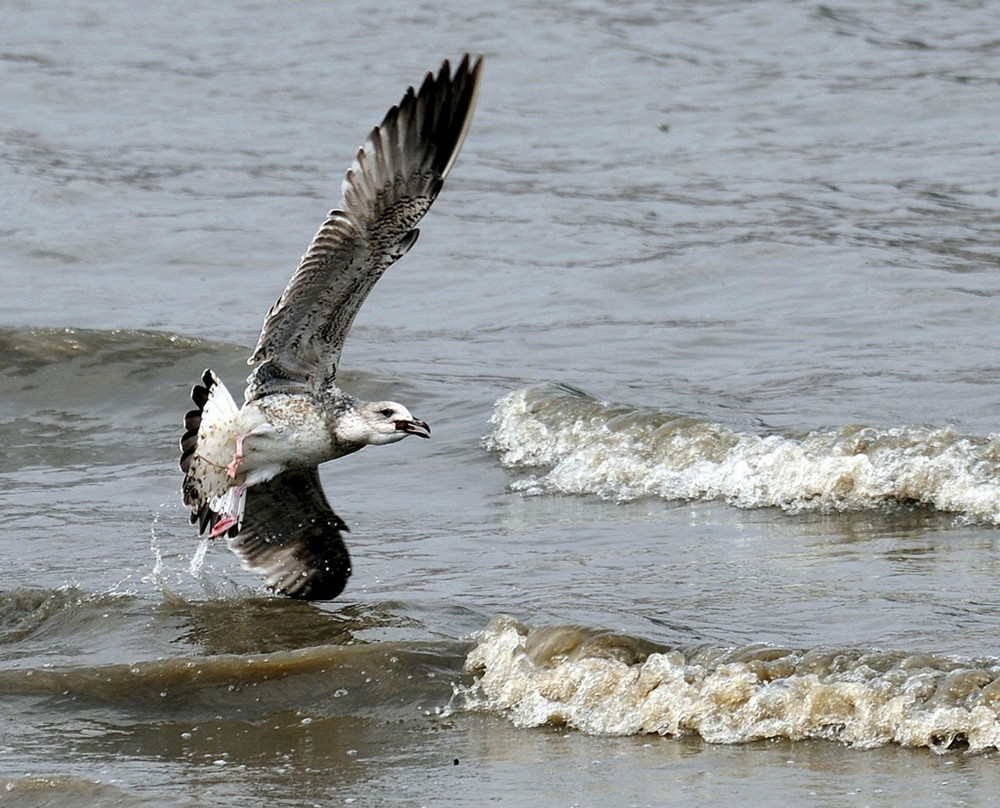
{"points": [[414, 427]]}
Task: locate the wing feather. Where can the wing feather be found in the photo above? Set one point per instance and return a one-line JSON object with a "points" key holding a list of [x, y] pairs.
{"points": [[292, 537], [393, 181]]}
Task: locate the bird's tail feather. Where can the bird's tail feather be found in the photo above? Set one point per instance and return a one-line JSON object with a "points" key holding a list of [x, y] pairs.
{"points": [[214, 406]]}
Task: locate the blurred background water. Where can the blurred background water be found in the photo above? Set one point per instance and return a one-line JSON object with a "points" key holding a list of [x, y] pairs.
{"points": [[705, 325]]}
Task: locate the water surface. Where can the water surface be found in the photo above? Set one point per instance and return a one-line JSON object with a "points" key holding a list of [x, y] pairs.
{"points": [[705, 324]]}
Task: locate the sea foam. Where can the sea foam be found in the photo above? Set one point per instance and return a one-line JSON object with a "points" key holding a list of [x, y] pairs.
{"points": [[573, 444], [603, 685]]}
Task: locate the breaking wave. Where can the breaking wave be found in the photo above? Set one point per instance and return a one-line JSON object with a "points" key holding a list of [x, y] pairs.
{"points": [[620, 453], [604, 684]]}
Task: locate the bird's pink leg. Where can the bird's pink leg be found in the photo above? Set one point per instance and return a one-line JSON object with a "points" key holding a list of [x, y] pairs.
{"points": [[232, 517], [234, 465]]}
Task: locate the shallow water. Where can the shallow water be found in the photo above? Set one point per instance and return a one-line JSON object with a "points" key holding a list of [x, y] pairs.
{"points": [[705, 325]]}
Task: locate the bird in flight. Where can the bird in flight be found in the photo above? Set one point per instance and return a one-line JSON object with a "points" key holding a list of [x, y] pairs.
{"points": [[251, 473]]}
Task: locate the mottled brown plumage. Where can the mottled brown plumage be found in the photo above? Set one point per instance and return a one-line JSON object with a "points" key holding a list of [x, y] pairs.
{"points": [[251, 472]]}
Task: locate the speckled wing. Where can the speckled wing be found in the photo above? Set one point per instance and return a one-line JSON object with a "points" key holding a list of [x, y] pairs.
{"points": [[392, 183], [292, 537]]}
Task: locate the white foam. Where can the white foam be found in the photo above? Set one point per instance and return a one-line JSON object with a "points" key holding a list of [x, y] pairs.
{"points": [[552, 676], [620, 453]]}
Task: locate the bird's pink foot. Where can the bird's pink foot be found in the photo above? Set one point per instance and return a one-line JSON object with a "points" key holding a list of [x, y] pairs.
{"points": [[234, 465], [231, 519], [223, 525]]}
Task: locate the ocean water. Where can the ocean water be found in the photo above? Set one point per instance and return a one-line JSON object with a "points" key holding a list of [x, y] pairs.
{"points": [[704, 323]]}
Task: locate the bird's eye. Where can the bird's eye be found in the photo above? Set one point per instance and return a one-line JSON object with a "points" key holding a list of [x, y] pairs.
{"points": [[385, 413]]}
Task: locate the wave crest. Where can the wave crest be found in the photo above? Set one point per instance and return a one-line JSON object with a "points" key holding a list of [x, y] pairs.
{"points": [[558, 676], [622, 453]]}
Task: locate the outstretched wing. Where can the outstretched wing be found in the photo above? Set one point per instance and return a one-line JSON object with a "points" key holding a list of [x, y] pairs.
{"points": [[292, 537], [395, 177]]}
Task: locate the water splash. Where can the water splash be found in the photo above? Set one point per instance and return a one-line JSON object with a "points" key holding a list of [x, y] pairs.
{"points": [[198, 558], [155, 576]]}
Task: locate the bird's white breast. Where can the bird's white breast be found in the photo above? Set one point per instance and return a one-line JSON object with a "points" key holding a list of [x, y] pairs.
{"points": [[284, 430]]}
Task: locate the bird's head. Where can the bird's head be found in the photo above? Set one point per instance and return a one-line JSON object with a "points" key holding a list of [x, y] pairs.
{"points": [[380, 422]]}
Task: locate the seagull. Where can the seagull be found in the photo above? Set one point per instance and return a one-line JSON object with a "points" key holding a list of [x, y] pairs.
{"points": [[251, 473]]}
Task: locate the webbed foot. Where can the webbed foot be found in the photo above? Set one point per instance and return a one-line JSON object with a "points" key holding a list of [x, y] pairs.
{"points": [[231, 519], [222, 526]]}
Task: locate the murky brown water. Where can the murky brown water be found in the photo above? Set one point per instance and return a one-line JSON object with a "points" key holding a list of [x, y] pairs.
{"points": [[756, 560]]}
